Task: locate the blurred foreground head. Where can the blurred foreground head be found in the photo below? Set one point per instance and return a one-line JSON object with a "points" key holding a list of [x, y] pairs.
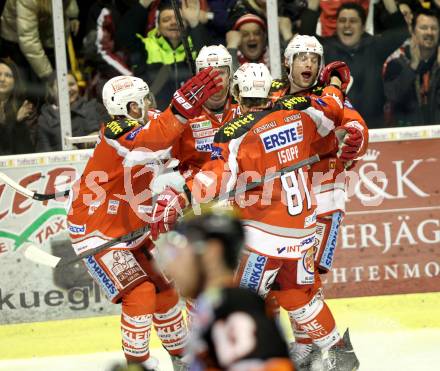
{"points": [[203, 251]]}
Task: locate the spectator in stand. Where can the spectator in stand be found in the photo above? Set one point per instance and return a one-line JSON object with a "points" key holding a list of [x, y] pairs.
{"points": [[99, 46], [289, 13], [365, 55], [247, 41], [409, 7], [412, 74], [27, 36], [16, 114], [86, 116], [159, 56], [218, 22], [326, 12], [286, 9], [406, 8]]}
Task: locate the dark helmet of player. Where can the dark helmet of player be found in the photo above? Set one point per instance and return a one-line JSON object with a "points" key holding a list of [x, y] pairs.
{"points": [[213, 221]]}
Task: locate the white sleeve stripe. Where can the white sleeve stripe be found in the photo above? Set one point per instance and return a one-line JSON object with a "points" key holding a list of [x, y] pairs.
{"points": [[323, 124], [139, 156], [234, 146]]}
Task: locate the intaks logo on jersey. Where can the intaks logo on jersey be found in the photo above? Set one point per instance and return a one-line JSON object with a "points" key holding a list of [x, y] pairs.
{"points": [[204, 144], [113, 206], [202, 125], [77, 229], [296, 248], [281, 137]]}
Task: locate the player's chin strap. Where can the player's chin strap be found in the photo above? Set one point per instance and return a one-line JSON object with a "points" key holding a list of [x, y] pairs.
{"points": [[39, 256]]}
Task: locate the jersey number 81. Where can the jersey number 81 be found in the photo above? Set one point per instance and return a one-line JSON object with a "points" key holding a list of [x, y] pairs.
{"points": [[295, 202]]}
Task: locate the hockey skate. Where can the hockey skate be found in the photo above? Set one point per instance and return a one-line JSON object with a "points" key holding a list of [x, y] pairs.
{"points": [[305, 357], [151, 364], [339, 358], [179, 364]]}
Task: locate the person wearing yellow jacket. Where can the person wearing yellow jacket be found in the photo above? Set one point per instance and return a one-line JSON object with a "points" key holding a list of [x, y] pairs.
{"points": [[158, 57]]}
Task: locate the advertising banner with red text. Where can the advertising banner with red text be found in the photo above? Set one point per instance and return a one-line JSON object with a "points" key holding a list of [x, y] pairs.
{"points": [[28, 291], [389, 242]]}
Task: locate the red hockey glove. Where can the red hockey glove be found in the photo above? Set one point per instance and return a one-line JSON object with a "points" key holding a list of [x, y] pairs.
{"points": [[169, 206], [188, 100], [350, 138], [338, 69]]}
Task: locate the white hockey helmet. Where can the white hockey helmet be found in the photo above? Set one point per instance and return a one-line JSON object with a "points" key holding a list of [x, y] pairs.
{"points": [[304, 44], [253, 80], [213, 56], [121, 90]]}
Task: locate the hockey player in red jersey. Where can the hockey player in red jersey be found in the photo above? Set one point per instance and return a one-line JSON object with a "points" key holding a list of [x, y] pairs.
{"points": [[194, 146], [307, 76], [110, 200], [280, 225]]}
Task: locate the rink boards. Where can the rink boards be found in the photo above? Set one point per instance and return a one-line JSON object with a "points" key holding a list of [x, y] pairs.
{"points": [[388, 243]]}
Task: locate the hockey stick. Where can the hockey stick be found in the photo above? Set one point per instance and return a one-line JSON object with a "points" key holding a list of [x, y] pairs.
{"points": [[30, 194], [184, 37], [50, 196], [35, 254]]}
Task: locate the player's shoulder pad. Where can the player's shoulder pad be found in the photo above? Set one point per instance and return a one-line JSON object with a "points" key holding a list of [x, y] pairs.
{"points": [[114, 129], [278, 84], [291, 102], [238, 126]]}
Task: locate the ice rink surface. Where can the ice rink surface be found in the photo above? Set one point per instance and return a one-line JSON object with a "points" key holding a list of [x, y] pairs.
{"points": [[400, 332]]}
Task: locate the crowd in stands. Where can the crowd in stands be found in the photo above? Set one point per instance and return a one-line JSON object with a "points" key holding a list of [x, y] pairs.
{"points": [[391, 47]]}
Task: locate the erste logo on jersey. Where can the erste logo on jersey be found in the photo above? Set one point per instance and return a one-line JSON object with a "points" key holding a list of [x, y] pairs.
{"points": [[282, 137]]}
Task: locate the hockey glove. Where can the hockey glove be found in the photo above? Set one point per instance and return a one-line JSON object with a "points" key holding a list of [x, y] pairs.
{"points": [[340, 70], [188, 100], [350, 139], [169, 206]]}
